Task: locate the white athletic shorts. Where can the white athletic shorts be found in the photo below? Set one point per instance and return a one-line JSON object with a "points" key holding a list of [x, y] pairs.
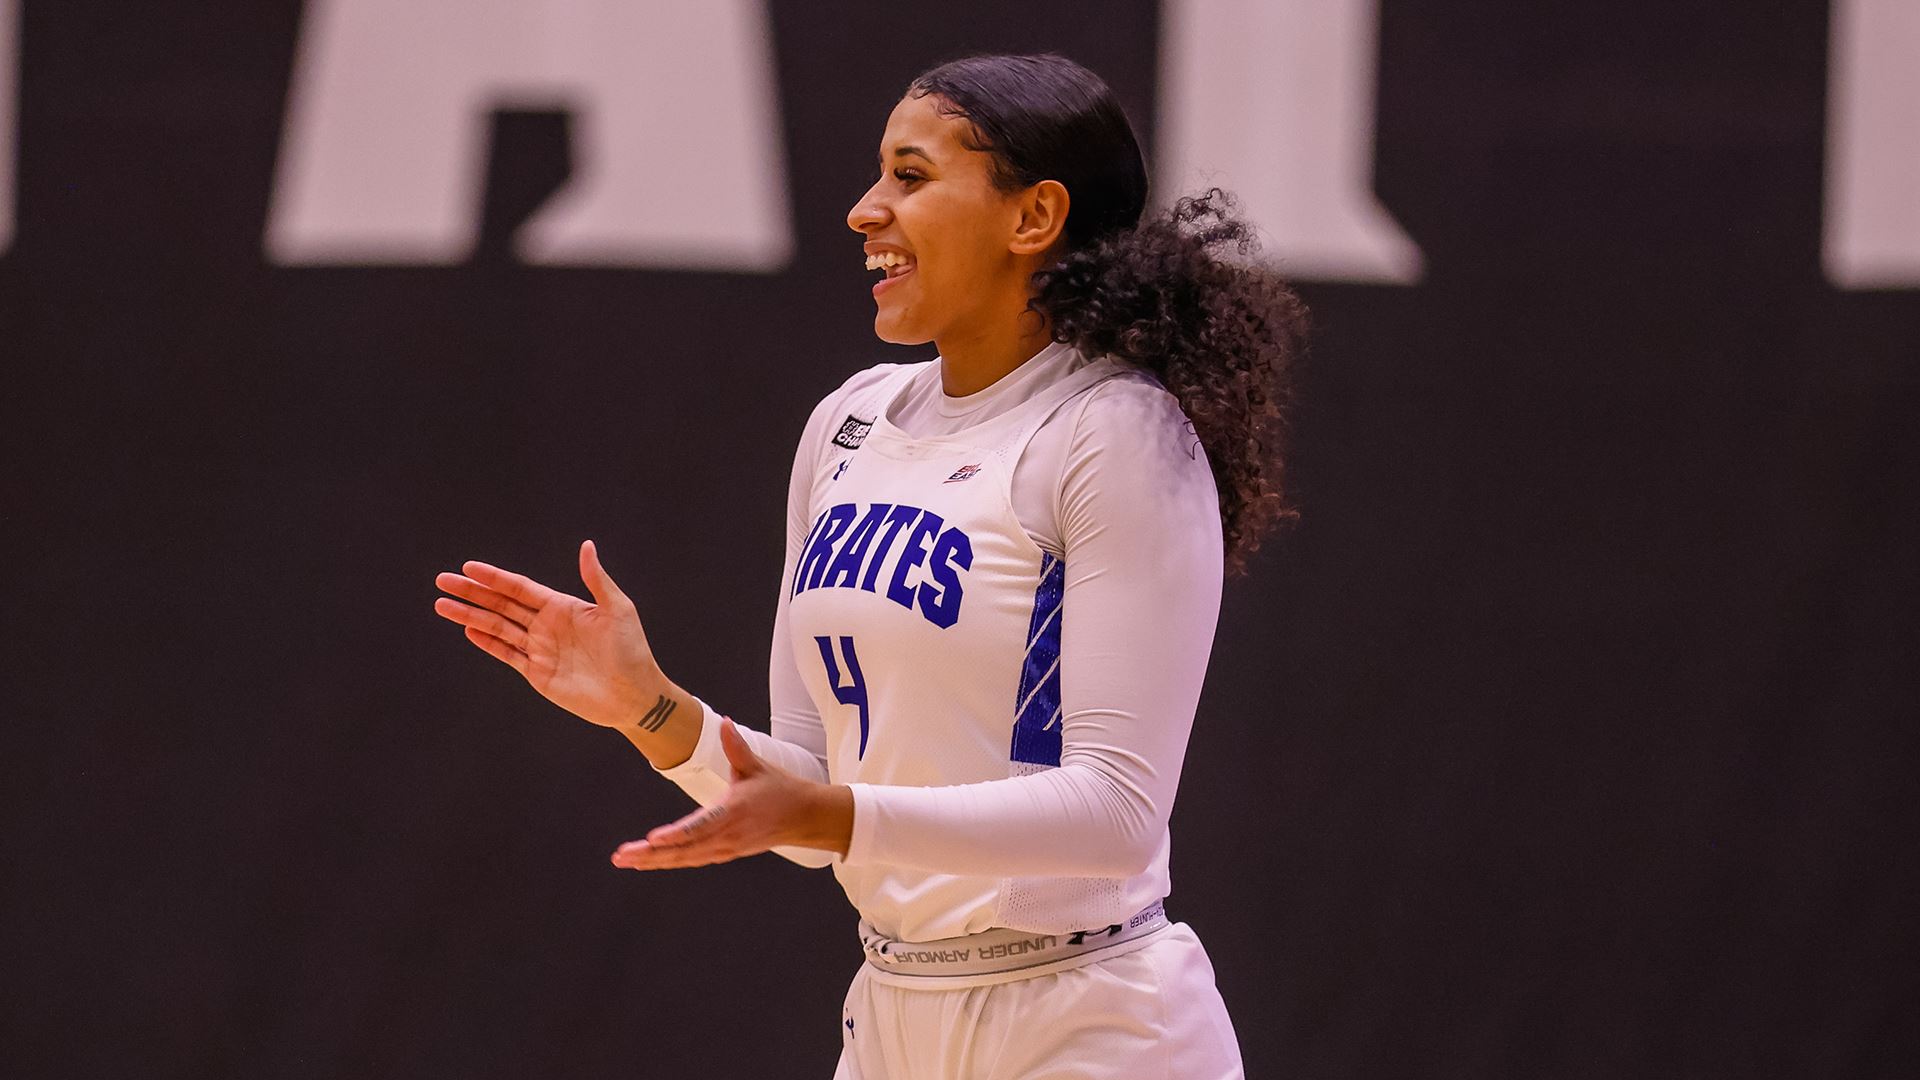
{"points": [[1149, 1013]]}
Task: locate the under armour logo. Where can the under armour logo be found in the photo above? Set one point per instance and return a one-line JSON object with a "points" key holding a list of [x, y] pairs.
{"points": [[1079, 937]]}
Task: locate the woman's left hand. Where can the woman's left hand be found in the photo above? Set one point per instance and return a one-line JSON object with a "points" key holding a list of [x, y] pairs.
{"points": [[764, 808]]}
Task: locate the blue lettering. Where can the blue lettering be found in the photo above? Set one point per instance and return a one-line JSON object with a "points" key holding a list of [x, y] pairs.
{"points": [[846, 565], [901, 515], [911, 556], [840, 553], [815, 563], [942, 607], [855, 692]]}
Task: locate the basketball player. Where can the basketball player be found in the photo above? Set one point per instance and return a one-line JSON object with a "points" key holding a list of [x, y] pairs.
{"points": [[1003, 573]]}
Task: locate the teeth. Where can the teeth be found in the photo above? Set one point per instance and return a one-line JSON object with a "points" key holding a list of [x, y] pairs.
{"points": [[886, 259]]}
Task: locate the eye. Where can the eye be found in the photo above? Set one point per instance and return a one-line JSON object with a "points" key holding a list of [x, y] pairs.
{"points": [[907, 176]]}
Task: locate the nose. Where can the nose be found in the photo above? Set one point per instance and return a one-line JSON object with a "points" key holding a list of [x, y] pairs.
{"points": [[870, 212]]}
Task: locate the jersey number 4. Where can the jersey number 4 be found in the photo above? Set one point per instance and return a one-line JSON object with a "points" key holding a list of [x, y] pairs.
{"points": [[855, 692]]}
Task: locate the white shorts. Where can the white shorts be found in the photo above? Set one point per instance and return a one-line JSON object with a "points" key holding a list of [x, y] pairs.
{"points": [[1150, 1013]]}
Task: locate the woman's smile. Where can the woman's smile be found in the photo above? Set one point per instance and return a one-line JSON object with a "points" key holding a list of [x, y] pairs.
{"points": [[897, 264], [888, 282]]}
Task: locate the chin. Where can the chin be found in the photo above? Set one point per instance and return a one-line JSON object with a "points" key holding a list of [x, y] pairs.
{"points": [[896, 331]]}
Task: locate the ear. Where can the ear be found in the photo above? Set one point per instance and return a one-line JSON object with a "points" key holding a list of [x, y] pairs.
{"points": [[1043, 218]]}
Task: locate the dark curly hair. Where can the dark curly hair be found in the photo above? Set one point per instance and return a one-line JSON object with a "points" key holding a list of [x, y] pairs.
{"points": [[1175, 293]]}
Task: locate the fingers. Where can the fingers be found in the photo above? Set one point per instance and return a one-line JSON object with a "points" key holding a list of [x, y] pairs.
{"points": [[699, 839], [741, 756], [598, 581], [499, 650], [699, 825], [515, 586], [638, 855], [475, 593], [486, 622]]}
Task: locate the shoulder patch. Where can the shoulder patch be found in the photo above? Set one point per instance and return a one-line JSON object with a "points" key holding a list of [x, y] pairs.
{"points": [[853, 432]]}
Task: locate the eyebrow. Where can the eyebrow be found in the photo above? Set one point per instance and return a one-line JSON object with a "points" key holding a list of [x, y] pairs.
{"points": [[903, 151]]}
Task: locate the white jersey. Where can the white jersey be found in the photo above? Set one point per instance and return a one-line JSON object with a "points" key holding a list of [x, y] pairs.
{"points": [[1011, 766]]}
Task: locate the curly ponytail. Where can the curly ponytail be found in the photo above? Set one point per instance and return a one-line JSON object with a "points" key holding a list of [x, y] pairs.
{"points": [[1223, 335]]}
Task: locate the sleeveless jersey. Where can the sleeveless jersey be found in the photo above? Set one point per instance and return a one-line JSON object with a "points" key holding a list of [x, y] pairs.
{"points": [[926, 627]]}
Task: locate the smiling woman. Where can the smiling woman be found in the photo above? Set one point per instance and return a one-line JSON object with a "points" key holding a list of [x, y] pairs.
{"points": [[1002, 576]]}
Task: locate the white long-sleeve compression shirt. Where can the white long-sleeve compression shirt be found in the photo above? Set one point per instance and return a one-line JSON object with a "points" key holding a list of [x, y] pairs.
{"points": [[1110, 490]]}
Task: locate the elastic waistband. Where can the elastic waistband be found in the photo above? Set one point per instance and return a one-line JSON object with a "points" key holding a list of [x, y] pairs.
{"points": [[997, 951]]}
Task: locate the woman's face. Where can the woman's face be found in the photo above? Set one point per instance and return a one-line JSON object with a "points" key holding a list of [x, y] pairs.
{"points": [[935, 209]]}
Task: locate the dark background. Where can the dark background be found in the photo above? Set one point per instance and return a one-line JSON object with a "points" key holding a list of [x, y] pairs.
{"points": [[1569, 735]]}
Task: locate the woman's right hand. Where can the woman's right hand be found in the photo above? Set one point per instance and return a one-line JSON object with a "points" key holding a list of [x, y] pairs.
{"points": [[592, 660]]}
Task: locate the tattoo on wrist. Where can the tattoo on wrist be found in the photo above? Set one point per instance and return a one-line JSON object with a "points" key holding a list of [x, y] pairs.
{"points": [[657, 715]]}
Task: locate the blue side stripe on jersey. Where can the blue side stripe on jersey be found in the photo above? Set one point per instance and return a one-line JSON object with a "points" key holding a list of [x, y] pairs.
{"points": [[1036, 722]]}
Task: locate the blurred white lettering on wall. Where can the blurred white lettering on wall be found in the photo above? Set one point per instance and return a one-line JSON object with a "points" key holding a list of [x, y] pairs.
{"points": [[9, 112], [678, 159], [1872, 234], [1274, 101]]}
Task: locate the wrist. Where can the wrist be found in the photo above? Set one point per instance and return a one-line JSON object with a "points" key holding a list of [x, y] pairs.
{"points": [[664, 724], [648, 704], [829, 818]]}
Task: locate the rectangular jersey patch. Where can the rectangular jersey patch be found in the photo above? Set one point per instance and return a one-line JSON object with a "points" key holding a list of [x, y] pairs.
{"points": [[853, 432]]}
